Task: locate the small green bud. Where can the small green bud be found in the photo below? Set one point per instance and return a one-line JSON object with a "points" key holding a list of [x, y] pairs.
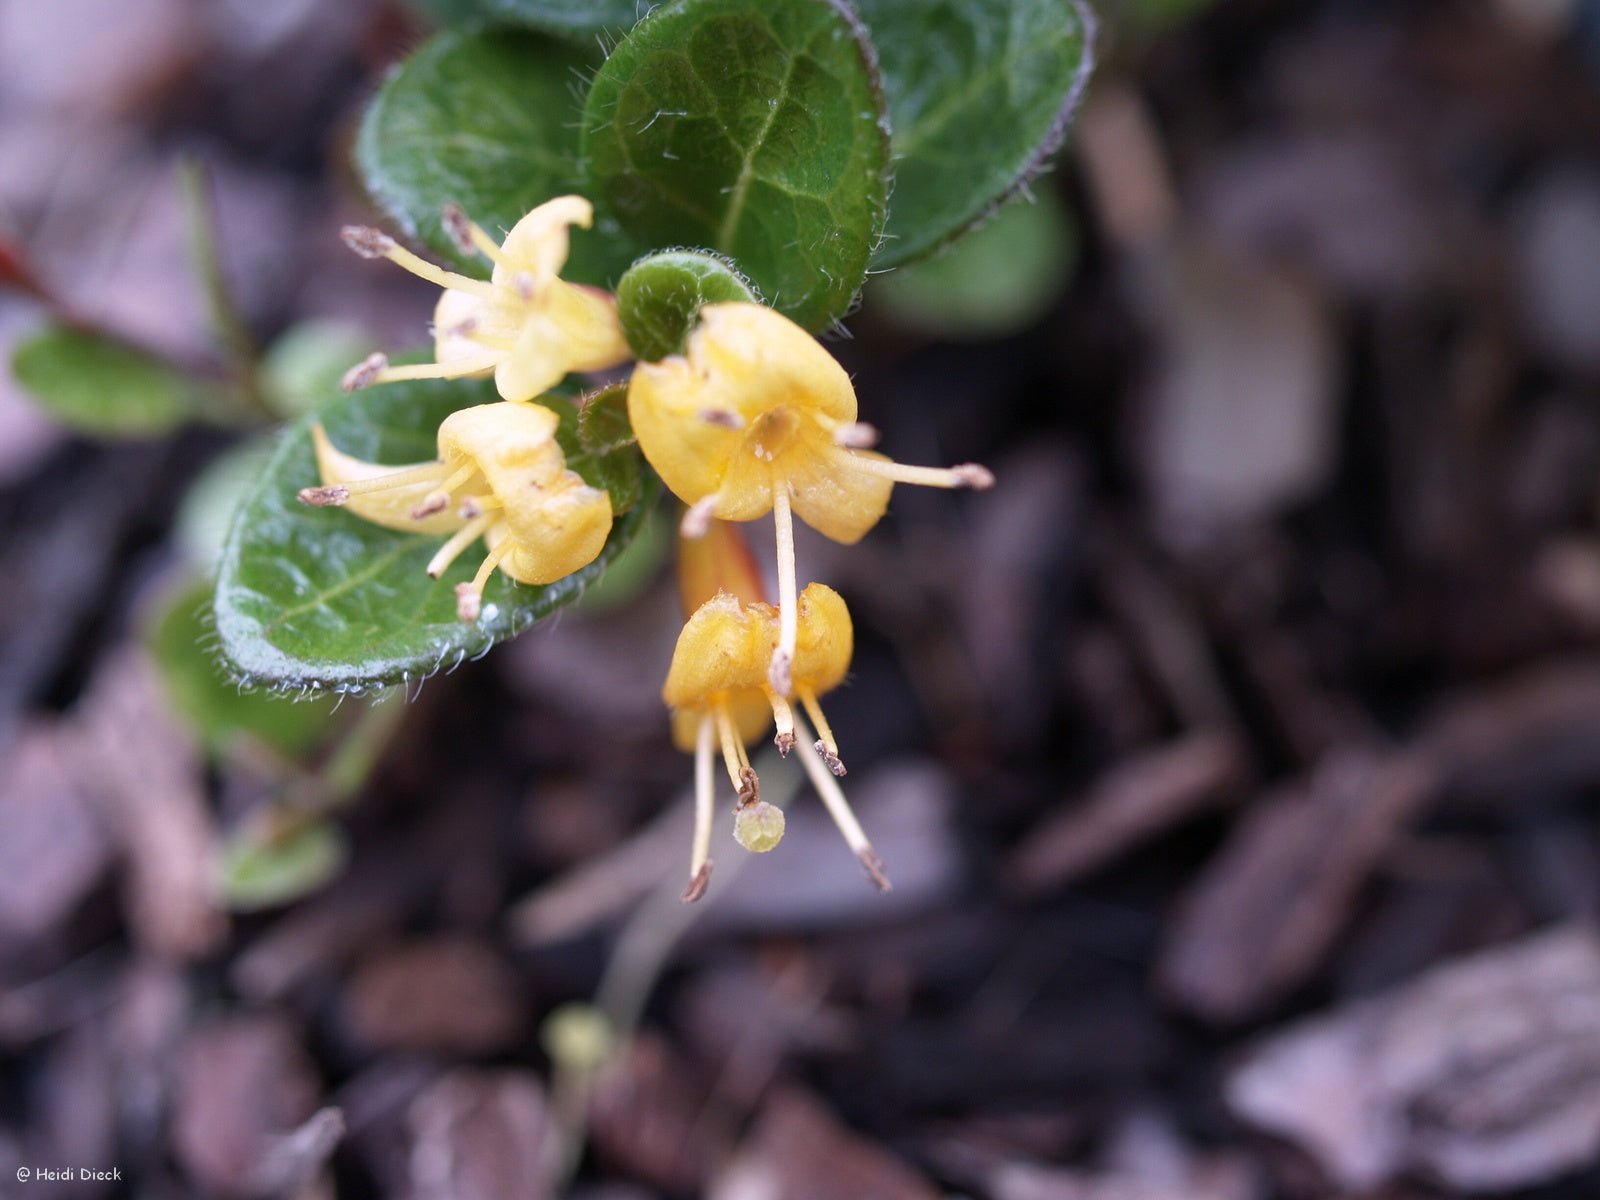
{"points": [[758, 828]]}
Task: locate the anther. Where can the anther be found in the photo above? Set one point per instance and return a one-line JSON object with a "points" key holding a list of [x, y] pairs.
{"points": [[365, 373], [698, 883], [469, 602], [972, 475], [857, 435], [873, 865], [469, 509], [367, 241], [433, 502], [524, 284], [830, 758], [696, 521], [784, 742], [322, 497], [749, 788], [463, 328], [724, 418], [458, 227]]}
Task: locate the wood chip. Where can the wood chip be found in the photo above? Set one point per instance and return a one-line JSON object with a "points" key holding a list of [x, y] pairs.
{"points": [[799, 1151], [1267, 908], [1483, 1073], [1135, 800]]}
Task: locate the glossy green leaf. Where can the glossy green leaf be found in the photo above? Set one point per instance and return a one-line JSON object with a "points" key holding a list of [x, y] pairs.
{"points": [[995, 281], [98, 386], [980, 96], [487, 120], [177, 637], [756, 130], [660, 297], [317, 598], [261, 870]]}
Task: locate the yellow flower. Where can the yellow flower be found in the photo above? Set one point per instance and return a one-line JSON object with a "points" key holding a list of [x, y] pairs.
{"points": [[720, 695], [756, 417], [500, 476], [527, 325]]}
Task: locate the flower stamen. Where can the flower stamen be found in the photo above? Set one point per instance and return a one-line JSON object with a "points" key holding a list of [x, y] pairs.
{"points": [[826, 745], [468, 235], [733, 756], [845, 818], [783, 720], [374, 243], [965, 475], [696, 522], [459, 541], [469, 596], [779, 670], [704, 794], [338, 493], [856, 435]]}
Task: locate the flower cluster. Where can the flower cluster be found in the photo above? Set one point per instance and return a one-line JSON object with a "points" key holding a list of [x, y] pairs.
{"points": [[754, 416]]}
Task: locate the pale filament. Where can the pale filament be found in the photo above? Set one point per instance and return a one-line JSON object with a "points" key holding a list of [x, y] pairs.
{"points": [[435, 370], [704, 795], [476, 238], [843, 815], [405, 477], [459, 541], [421, 267], [967, 475], [778, 671], [827, 746], [783, 719], [436, 500], [733, 756]]}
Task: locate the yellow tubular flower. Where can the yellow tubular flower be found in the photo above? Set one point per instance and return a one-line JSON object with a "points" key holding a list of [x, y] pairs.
{"points": [[526, 325], [500, 476], [755, 416], [721, 696]]}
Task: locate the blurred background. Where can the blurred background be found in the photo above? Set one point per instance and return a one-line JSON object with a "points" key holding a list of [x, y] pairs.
{"points": [[1235, 759]]}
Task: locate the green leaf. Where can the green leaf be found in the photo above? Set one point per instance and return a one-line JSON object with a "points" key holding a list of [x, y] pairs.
{"points": [[995, 281], [980, 96], [489, 121], [211, 703], [262, 870], [99, 386], [316, 598], [603, 425], [757, 131], [660, 297]]}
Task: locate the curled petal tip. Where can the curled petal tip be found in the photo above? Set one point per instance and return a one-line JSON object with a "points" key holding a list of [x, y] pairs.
{"points": [[367, 241]]}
